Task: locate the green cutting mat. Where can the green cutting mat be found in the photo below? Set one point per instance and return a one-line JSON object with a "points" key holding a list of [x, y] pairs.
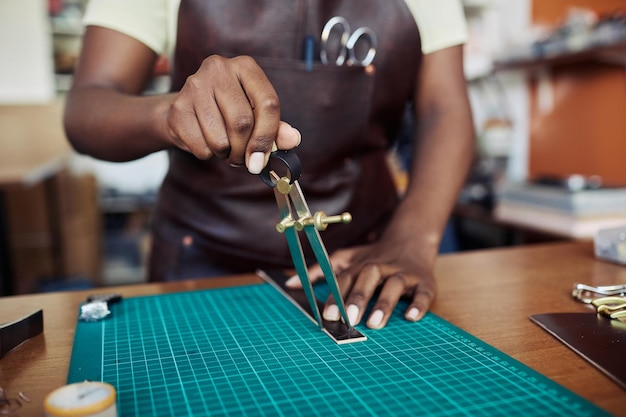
{"points": [[249, 351]]}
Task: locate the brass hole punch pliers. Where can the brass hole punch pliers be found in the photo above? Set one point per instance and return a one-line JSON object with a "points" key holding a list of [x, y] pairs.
{"points": [[608, 300], [612, 307], [296, 217]]}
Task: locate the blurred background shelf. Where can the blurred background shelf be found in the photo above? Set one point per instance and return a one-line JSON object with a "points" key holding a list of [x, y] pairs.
{"points": [[613, 54]]}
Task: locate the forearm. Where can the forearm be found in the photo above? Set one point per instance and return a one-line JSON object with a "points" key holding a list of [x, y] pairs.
{"points": [[114, 126], [443, 153]]}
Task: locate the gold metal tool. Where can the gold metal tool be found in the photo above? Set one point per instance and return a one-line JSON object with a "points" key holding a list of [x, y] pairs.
{"points": [[296, 217], [608, 300], [612, 307]]}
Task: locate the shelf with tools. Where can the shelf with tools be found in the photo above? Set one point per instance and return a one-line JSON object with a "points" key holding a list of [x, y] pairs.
{"points": [[568, 67], [614, 53]]}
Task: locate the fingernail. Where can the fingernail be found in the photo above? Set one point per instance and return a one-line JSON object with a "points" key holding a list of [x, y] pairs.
{"points": [[292, 281], [375, 319], [299, 136], [353, 314], [256, 163], [331, 313], [412, 314]]}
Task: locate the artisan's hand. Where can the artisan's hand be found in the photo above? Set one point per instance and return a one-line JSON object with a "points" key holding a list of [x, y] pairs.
{"points": [[229, 109], [361, 270]]}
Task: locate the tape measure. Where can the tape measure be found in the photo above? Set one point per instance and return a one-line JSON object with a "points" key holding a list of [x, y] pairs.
{"points": [[82, 399]]}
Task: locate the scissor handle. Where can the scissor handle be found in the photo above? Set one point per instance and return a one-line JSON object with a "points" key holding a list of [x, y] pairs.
{"points": [[345, 35], [347, 43], [289, 159], [365, 33]]}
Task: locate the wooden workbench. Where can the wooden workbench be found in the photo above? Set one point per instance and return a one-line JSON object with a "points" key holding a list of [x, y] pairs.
{"points": [[490, 294]]}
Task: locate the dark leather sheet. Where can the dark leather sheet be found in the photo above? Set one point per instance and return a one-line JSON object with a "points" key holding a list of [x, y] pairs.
{"points": [[598, 339]]}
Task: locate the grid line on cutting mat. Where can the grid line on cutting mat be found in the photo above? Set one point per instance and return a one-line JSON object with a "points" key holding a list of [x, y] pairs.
{"points": [[249, 351]]}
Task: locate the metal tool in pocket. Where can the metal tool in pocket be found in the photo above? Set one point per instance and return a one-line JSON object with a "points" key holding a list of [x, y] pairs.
{"points": [[349, 43]]}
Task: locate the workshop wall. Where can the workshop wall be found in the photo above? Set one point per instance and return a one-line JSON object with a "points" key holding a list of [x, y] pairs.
{"points": [[578, 111], [26, 67]]}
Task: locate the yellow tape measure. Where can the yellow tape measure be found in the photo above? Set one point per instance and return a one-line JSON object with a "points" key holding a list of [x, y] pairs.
{"points": [[82, 399]]}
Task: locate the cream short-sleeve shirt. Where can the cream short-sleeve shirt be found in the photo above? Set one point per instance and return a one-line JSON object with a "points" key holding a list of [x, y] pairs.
{"points": [[153, 22]]}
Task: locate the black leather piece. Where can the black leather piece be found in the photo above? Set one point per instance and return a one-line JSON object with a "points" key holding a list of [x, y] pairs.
{"points": [[598, 339], [15, 333]]}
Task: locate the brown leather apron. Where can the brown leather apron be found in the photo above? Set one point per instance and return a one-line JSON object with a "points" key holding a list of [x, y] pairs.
{"points": [[212, 218]]}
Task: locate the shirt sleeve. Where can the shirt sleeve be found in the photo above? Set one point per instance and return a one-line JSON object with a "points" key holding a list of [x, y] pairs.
{"points": [[441, 23], [144, 20]]}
